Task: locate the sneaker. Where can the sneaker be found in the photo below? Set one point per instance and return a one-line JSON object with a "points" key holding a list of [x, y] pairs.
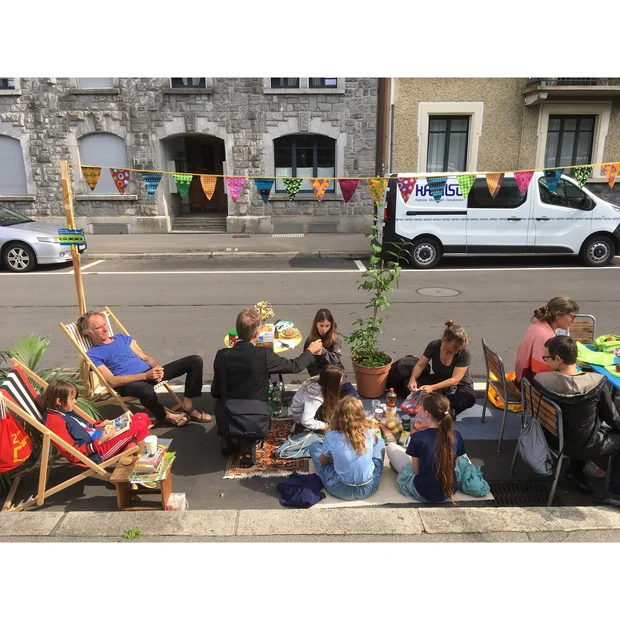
{"points": [[593, 470]]}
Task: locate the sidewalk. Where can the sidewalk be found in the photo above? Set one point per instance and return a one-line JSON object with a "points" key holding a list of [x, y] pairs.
{"points": [[226, 245]]}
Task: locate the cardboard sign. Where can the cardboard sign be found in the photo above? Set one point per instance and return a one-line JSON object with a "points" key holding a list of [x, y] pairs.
{"points": [[71, 237]]}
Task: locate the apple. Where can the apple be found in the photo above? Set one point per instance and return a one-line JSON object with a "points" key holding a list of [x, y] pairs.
{"points": [[391, 425], [611, 339]]}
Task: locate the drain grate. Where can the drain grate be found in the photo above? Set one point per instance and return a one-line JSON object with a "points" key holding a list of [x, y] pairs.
{"points": [[522, 494]]}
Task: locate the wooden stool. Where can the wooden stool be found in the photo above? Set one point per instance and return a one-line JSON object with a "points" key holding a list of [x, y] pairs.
{"points": [[124, 492]]}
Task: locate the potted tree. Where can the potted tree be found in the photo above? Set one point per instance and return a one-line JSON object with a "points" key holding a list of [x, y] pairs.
{"points": [[370, 363]]}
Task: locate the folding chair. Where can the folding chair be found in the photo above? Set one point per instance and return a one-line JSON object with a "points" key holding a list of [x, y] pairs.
{"points": [[506, 390], [100, 391], [549, 415], [583, 328]]}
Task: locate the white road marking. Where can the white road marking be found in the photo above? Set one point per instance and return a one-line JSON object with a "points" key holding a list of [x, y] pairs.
{"points": [[360, 265], [93, 264]]}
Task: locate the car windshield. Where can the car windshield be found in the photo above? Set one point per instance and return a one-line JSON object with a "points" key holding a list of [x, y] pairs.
{"points": [[9, 218]]}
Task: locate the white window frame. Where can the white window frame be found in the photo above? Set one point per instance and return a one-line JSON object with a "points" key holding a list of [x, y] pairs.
{"points": [[473, 109], [304, 88], [602, 111], [76, 89], [11, 93]]}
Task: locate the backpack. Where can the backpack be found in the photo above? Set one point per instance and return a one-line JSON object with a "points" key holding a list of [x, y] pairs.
{"points": [[301, 490]]}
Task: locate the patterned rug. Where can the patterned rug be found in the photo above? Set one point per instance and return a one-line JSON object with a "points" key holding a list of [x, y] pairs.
{"points": [[267, 466]]}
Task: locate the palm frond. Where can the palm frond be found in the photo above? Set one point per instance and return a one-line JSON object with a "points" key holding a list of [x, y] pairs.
{"points": [[29, 350]]}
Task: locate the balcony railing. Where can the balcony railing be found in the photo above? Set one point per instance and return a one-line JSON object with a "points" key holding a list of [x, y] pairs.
{"points": [[557, 81]]}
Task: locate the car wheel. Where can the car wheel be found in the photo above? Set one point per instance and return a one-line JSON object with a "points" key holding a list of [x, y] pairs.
{"points": [[425, 253], [597, 251], [19, 257]]}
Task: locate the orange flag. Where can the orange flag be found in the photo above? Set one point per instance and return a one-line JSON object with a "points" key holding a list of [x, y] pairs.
{"points": [[377, 188], [494, 182], [611, 172], [208, 185], [319, 186]]}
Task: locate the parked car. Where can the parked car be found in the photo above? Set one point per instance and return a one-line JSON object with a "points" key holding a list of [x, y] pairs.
{"points": [[24, 243]]}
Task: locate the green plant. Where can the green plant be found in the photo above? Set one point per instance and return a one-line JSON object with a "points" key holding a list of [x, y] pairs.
{"points": [[377, 280], [133, 533]]}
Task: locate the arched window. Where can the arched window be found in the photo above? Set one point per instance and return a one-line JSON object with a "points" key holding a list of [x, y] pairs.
{"points": [[103, 149], [12, 168], [305, 155]]}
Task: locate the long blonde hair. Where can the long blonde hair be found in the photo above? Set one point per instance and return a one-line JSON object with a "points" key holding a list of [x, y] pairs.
{"points": [[349, 418]]}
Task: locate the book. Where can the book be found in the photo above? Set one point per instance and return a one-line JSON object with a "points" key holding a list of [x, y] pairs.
{"points": [[118, 425], [149, 478], [149, 464]]}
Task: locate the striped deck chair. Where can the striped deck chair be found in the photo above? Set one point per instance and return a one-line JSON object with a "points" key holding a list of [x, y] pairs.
{"points": [[21, 399], [100, 391]]}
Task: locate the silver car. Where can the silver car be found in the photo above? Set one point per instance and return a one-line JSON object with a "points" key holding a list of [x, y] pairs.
{"points": [[24, 243]]}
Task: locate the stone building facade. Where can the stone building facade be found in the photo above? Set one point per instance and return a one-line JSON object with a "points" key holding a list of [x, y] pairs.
{"points": [[241, 127]]}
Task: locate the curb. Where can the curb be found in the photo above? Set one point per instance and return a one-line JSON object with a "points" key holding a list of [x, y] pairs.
{"points": [[225, 254]]}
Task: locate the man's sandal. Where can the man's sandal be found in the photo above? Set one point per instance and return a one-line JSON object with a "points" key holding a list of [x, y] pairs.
{"points": [[181, 420], [201, 417]]}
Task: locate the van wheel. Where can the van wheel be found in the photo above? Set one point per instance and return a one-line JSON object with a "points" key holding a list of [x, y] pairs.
{"points": [[597, 251], [425, 253]]}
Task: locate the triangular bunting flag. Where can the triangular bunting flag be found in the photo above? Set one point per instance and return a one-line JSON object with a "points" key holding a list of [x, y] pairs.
{"points": [[151, 181], [494, 182], [436, 185], [91, 176], [377, 188], [582, 174], [523, 180], [121, 179], [348, 187], [182, 181], [292, 187], [465, 183], [552, 177], [611, 172], [235, 185], [319, 186], [264, 187], [208, 185], [406, 185]]}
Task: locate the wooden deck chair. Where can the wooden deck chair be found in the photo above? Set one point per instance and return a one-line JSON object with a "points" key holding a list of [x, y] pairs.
{"points": [[100, 391], [22, 401], [583, 328]]}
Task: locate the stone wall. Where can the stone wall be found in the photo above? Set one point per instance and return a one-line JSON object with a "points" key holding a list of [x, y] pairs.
{"points": [[49, 115]]}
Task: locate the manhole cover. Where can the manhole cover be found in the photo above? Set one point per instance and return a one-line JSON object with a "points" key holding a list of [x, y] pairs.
{"points": [[438, 292], [522, 493]]}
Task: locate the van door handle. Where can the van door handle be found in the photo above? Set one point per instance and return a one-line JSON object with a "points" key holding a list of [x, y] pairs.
{"points": [[543, 219], [514, 219]]}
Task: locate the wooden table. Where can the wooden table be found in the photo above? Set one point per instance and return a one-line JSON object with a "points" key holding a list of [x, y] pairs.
{"points": [[125, 494]]}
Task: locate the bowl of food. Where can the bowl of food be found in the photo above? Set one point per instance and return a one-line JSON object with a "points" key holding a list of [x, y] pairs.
{"points": [[289, 333]]}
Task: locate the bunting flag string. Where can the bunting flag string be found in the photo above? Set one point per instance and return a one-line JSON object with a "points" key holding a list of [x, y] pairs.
{"points": [[151, 182], [377, 189], [406, 185], [523, 180], [319, 186], [552, 175], [436, 186], [582, 174], [235, 185], [611, 172], [264, 187], [292, 187], [465, 183], [348, 187], [91, 176], [182, 181], [121, 179], [208, 185], [494, 182]]}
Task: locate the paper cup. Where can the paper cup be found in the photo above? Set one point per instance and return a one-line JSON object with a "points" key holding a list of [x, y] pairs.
{"points": [[151, 444]]}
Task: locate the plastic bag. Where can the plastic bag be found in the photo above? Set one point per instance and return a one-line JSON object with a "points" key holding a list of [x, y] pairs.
{"points": [[412, 403], [177, 501], [534, 450], [607, 343], [297, 446], [494, 397]]}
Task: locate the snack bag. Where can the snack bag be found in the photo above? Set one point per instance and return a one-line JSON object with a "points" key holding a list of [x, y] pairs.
{"points": [[403, 440]]}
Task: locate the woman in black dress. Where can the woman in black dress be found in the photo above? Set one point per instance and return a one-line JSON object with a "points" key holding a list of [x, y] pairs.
{"points": [[449, 361]]}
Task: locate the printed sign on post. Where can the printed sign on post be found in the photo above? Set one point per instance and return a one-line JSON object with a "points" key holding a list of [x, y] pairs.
{"points": [[67, 236]]}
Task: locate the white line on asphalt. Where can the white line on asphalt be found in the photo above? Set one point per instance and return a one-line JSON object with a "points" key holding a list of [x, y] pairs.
{"points": [[360, 265], [176, 273], [545, 268], [93, 264]]}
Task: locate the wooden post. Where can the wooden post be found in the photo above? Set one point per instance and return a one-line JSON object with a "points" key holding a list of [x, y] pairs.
{"points": [[67, 195]]}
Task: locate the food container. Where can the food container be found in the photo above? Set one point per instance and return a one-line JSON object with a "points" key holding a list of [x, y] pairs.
{"points": [[265, 336], [232, 337], [406, 421]]}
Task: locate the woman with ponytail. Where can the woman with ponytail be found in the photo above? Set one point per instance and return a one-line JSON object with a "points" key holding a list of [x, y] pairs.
{"points": [[559, 313], [429, 475]]}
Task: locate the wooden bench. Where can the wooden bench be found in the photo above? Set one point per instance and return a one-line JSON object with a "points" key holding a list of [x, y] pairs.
{"points": [[127, 493]]}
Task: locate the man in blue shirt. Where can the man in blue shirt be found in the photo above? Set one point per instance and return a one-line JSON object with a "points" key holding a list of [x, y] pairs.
{"points": [[131, 372]]}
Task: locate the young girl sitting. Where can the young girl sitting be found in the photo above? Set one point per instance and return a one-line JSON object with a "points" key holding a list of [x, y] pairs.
{"points": [[350, 459], [324, 327], [91, 440], [429, 475]]}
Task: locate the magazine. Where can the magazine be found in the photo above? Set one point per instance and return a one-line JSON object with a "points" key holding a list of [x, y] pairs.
{"points": [[156, 476], [118, 425], [150, 463]]}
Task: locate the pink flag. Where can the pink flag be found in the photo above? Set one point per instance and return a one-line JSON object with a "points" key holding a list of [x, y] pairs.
{"points": [[235, 185], [406, 186], [523, 180], [348, 187]]}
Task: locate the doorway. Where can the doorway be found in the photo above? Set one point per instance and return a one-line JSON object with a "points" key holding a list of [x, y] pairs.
{"points": [[206, 155]]}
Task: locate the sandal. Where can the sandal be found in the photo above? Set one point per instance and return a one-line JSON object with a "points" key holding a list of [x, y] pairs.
{"points": [[201, 417], [181, 420]]}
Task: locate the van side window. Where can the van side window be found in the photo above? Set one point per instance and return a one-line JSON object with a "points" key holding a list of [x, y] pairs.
{"points": [[508, 197], [565, 195]]}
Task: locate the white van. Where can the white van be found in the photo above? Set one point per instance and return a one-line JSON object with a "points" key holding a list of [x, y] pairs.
{"points": [[568, 220]]}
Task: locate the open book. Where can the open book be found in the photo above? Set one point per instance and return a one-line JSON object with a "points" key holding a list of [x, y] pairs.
{"points": [[119, 425]]}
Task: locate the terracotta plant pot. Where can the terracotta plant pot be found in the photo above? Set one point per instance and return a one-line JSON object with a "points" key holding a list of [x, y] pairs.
{"points": [[371, 381]]}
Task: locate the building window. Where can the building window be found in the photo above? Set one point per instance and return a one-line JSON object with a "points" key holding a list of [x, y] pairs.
{"points": [[105, 150], [7, 83], [565, 195], [12, 168], [188, 82], [447, 143], [95, 82], [569, 140], [305, 155], [323, 83], [284, 82]]}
